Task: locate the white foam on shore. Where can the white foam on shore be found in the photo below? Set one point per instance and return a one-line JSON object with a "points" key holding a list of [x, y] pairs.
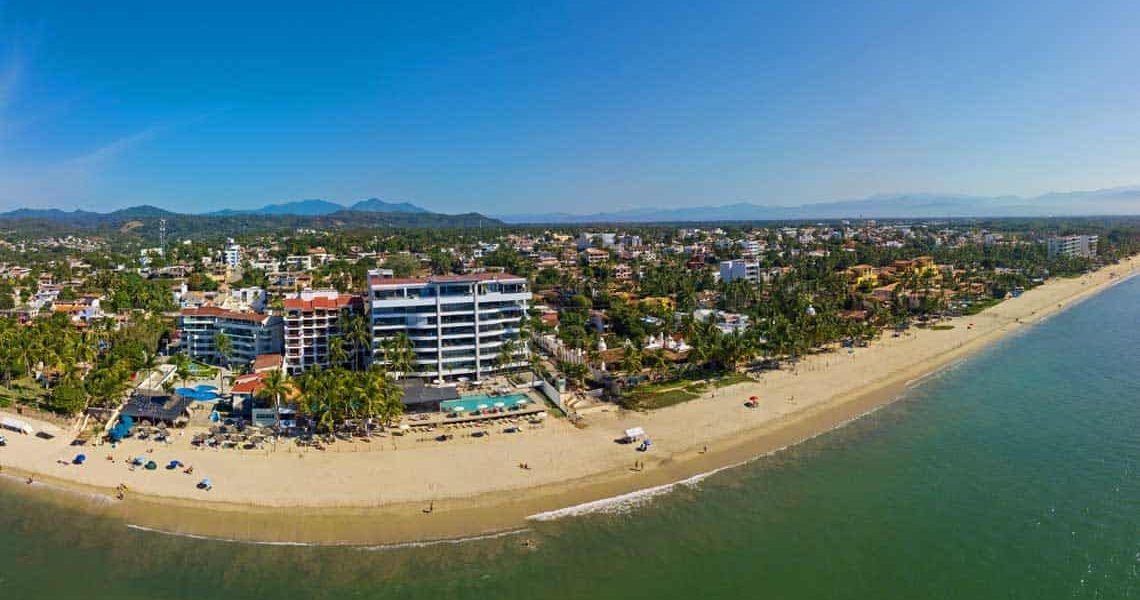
{"points": [[453, 541], [92, 496], [626, 503], [353, 545]]}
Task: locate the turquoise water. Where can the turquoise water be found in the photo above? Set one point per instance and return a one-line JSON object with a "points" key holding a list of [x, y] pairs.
{"points": [[472, 403], [201, 393], [1013, 475]]}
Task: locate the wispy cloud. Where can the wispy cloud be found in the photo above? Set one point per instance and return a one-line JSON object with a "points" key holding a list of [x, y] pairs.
{"points": [[112, 150]]}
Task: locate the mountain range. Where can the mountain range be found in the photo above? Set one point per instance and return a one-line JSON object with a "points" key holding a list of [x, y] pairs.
{"points": [[324, 207], [1114, 201]]}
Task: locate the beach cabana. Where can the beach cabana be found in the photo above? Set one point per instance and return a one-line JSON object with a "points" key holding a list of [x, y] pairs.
{"points": [[158, 409]]}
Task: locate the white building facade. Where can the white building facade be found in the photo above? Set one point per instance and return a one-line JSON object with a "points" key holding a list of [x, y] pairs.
{"points": [[732, 270], [250, 334], [1080, 246], [457, 323]]}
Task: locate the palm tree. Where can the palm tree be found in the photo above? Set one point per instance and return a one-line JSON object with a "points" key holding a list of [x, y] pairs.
{"points": [[534, 362], [337, 354], [393, 405], [506, 355], [182, 368], [631, 360], [658, 363], [224, 347], [399, 354], [276, 385], [359, 336]]}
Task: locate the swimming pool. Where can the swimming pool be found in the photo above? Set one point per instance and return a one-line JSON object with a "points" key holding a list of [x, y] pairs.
{"points": [[201, 393], [469, 404]]}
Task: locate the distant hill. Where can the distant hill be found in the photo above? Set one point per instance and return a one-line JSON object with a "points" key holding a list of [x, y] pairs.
{"points": [[378, 205], [1115, 201], [300, 207], [143, 220], [317, 206]]}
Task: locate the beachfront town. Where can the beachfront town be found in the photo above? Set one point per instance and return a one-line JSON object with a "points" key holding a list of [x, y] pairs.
{"points": [[313, 337]]}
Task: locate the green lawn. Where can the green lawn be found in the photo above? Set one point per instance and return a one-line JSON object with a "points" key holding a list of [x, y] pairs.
{"points": [[979, 306], [942, 327], [667, 393], [24, 391]]}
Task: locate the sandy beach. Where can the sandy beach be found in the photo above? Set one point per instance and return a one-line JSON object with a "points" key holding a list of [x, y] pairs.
{"points": [[381, 492]]}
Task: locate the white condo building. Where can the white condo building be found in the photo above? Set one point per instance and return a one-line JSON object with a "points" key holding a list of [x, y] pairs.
{"points": [[457, 323], [1083, 246], [231, 255], [731, 270]]}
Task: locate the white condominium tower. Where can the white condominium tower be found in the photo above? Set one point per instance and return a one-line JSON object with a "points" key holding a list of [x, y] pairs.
{"points": [[457, 323]]}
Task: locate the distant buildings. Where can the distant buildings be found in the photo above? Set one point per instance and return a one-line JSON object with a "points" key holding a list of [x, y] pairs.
{"points": [[732, 270], [587, 240], [1077, 246], [456, 323], [231, 255], [250, 334], [312, 320]]}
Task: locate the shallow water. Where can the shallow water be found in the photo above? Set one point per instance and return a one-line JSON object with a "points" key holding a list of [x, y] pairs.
{"points": [[1010, 475]]}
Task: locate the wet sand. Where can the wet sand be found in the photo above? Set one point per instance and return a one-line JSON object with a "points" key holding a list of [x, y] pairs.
{"points": [[379, 493]]}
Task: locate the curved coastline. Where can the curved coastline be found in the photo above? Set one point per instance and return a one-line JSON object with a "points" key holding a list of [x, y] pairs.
{"points": [[373, 524]]}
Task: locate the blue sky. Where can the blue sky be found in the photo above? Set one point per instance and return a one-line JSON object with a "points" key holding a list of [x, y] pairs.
{"points": [[577, 107]]}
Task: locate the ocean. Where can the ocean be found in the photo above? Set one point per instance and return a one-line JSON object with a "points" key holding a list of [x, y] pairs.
{"points": [[1012, 474]]}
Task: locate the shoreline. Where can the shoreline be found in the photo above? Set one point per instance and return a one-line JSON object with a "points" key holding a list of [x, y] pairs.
{"points": [[498, 506]]}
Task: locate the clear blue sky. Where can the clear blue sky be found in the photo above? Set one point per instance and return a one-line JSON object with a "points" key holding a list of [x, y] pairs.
{"points": [[579, 107]]}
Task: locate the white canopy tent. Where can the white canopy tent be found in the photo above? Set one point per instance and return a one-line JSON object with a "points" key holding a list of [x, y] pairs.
{"points": [[17, 425]]}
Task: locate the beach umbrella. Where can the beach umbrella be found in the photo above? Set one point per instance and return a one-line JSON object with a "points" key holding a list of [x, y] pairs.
{"points": [[481, 406], [150, 466], [754, 398], [79, 458], [499, 405], [205, 484], [521, 401]]}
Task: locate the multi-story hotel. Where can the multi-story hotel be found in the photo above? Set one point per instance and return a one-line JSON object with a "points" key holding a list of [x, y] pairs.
{"points": [[250, 334], [312, 318], [1082, 246], [457, 323]]}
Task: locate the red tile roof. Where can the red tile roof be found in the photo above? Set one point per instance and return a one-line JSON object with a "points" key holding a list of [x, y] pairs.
{"points": [[268, 361], [321, 302], [214, 311], [248, 384]]}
